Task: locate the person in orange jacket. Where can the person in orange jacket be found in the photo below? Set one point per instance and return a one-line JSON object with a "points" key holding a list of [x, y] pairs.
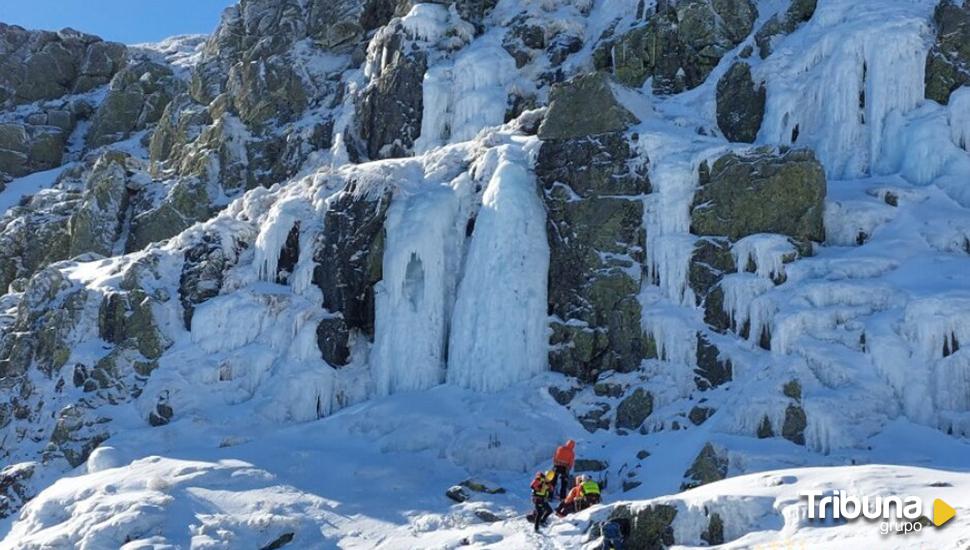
{"points": [[562, 462], [573, 501]]}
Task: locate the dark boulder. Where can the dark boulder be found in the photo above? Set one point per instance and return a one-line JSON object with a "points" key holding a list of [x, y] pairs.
{"points": [[651, 527], [711, 261], [389, 110], [349, 262], [795, 423], [680, 45], [780, 24], [740, 104], [632, 411], [698, 415], [762, 192], [710, 465], [712, 370], [714, 534], [203, 268], [596, 236], [137, 97], [43, 65], [948, 60], [584, 106]]}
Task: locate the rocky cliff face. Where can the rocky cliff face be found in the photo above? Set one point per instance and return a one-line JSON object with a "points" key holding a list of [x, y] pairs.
{"points": [[337, 200]]}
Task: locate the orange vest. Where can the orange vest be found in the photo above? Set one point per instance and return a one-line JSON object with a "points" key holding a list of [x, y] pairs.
{"points": [[564, 456], [574, 493]]}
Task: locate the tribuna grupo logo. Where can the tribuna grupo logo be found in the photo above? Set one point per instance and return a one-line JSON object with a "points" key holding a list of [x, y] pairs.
{"points": [[895, 514]]}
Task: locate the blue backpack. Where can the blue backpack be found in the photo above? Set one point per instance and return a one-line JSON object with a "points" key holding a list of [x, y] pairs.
{"points": [[611, 531]]}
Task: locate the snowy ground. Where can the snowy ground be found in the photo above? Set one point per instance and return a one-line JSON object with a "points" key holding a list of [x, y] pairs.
{"points": [[374, 476], [19, 188]]}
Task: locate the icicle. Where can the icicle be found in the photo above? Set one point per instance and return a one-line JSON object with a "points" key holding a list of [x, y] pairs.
{"points": [[436, 90], [465, 97], [667, 224], [744, 304], [768, 252], [933, 324], [273, 233], [839, 89], [426, 21], [676, 338]]}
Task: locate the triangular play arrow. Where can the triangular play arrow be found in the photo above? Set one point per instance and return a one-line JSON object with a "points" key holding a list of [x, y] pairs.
{"points": [[942, 512]]}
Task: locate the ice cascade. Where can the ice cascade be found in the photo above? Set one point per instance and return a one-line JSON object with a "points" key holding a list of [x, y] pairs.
{"points": [[499, 333]]}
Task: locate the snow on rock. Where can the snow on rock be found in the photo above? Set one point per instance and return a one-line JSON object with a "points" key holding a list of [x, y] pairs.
{"points": [[499, 333], [827, 310], [758, 510], [767, 252], [104, 457], [131, 507], [182, 53], [849, 223]]}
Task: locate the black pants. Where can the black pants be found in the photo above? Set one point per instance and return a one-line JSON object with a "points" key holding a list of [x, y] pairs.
{"points": [[562, 479], [543, 511], [565, 509]]}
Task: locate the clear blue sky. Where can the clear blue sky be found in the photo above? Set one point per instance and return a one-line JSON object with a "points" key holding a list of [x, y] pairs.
{"points": [[128, 21]]}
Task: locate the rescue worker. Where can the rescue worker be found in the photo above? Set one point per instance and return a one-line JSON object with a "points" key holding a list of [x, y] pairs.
{"points": [[562, 462], [591, 491], [612, 536], [573, 501], [541, 493]]}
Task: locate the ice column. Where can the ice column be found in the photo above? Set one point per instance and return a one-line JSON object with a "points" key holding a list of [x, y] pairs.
{"points": [[413, 300], [498, 334]]}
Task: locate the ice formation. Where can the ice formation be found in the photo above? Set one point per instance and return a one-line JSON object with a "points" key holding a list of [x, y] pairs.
{"points": [[417, 291], [746, 303], [465, 96], [836, 89], [768, 253], [499, 332], [874, 327]]}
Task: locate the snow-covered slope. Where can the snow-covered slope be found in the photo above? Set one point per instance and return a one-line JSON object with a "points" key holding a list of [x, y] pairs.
{"points": [[295, 282]]}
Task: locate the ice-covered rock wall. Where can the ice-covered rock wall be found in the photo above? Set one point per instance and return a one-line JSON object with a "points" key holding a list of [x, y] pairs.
{"points": [[474, 193], [835, 81]]}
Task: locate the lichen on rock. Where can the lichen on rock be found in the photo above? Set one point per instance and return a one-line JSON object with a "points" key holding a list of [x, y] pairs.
{"points": [[762, 192], [680, 44]]}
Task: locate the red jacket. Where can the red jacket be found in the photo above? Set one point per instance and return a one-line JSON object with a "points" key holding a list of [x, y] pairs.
{"points": [[541, 487], [565, 455]]}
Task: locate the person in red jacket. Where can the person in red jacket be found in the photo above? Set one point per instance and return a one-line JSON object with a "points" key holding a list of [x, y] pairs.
{"points": [[541, 493], [562, 462]]}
